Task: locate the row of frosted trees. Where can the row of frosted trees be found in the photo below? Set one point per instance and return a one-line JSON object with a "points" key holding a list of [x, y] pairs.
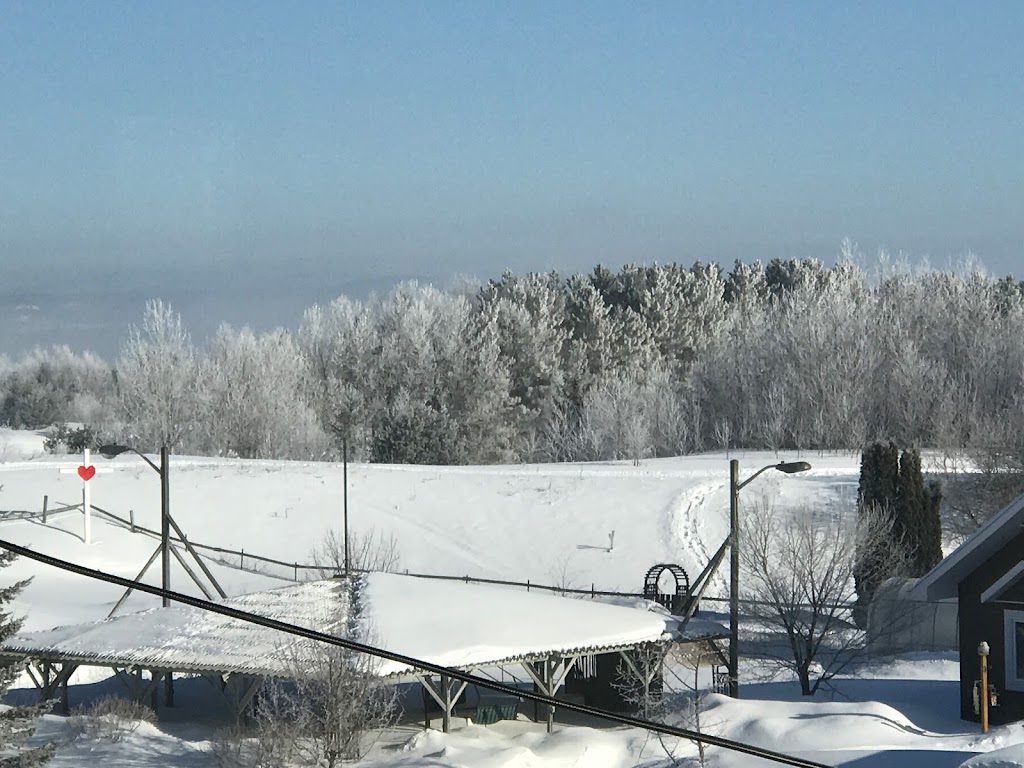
{"points": [[647, 361]]}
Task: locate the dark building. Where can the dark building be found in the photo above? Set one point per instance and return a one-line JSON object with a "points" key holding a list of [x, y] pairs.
{"points": [[986, 575]]}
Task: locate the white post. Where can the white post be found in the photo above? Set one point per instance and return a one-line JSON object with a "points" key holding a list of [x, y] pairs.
{"points": [[86, 471], [86, 496]]}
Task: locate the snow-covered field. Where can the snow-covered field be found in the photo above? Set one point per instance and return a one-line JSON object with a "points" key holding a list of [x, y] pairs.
{"points": [[575, 525]]}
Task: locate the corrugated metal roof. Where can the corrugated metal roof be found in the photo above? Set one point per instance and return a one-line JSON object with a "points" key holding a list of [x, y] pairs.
{"points": [[187, 639], [466, 626]]}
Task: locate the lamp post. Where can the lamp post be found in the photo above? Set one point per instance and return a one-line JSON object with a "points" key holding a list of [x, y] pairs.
{"points": [[735, 486], [111, 451]]}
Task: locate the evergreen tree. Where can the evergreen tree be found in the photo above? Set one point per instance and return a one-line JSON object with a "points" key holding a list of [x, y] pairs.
{"points": [[917, 509], [16, 723], [931, 534], [879, 477], [909, 507], [895, 482]]}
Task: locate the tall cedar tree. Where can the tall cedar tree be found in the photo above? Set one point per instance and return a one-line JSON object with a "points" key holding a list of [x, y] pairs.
{"points": [[931, 533], [896, 483], [917, 509], [909, 522], [17, 723], [879, 477]]}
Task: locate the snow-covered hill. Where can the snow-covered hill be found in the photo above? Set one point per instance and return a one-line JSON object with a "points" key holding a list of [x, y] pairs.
{"points": [[547, 523]]}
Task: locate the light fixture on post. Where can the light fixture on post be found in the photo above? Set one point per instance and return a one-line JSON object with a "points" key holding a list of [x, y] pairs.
{"points": [[735, 486]]}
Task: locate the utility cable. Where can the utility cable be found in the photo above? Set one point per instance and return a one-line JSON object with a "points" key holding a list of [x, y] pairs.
{"points": [[410, 661]]}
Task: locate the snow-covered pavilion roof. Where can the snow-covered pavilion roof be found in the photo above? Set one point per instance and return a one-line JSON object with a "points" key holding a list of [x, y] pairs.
{"points": [[467, 626]]}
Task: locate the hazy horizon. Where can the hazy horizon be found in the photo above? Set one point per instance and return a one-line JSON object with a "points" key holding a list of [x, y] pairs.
{"points": [[226, 155], [92, 311]]}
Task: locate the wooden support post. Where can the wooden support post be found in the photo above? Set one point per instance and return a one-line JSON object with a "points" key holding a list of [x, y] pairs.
{"points": [[51, 679], [138, 687], [45, 501], [240, 691], [548, 676], [445, 694], [446, 704]]}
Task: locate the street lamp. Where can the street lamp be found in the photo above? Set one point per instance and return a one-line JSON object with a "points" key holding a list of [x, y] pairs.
{"points": [[735, 486], [110, 452]]}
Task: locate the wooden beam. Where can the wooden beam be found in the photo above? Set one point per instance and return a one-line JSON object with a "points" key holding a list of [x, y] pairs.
{"points": [[191, 573], [702, 584], [240, 690], [152, 559], [198, 559], [718, 651], [30, 668], [138, 687]]}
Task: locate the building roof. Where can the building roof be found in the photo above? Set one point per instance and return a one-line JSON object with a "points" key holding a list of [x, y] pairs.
{"points": [[943, 580], [467, 626]]}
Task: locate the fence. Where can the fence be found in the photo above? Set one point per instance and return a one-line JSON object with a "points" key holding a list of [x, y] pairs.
{"points": [[269, 566]]}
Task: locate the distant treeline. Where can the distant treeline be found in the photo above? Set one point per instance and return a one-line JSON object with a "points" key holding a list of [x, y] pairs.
{"points": [[647, 361]]}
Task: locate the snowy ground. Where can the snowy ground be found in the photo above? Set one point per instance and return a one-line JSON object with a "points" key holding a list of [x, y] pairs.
{"points": [[548, 524]]}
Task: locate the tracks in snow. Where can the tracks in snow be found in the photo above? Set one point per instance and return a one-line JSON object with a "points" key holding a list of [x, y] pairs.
{"points": [[683, 518]]}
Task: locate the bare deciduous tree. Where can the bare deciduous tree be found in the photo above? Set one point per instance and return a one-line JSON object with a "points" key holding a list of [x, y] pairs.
{"points": [[327, 709], [798, 588], [662, 682], [329, 713], [368, 550]]}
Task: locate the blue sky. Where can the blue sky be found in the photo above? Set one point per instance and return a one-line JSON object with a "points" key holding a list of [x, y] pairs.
{"points": [[356, 141]]}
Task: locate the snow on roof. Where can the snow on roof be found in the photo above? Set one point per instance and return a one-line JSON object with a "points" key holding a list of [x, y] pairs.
{"points": [[187, 639], [942, 581], [475, 625], [449, 623]]}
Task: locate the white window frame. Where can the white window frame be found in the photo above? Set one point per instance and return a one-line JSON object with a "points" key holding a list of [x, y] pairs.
{"points": [[1010, 621]]}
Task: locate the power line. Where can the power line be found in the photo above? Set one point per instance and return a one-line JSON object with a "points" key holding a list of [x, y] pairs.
{"points": [[410, 661]]}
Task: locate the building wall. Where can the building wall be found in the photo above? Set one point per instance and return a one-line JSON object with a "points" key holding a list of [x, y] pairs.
{"points": [[984, 622]]}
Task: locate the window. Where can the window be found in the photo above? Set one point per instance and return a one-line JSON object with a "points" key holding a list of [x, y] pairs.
{"points": [[1013, 637]]}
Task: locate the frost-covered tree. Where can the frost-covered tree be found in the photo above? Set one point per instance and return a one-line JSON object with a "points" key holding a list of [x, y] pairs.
{"points": [[590, 328], [683, 309], [530, 321], [339, 343], [252, 391], [156, 380], [55, 386]]}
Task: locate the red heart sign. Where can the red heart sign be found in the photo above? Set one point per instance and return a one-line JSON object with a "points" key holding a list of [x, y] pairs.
{"points": [[86, 473]]}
